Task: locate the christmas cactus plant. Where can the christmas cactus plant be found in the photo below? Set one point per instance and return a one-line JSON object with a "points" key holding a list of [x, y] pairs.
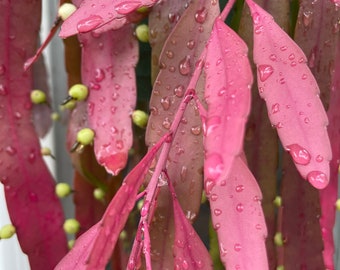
{"points": [[242, 118]]}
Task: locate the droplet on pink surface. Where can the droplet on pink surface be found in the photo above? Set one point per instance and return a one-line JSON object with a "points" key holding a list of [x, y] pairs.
{"points": [[89, 23], [265, 71], [127, 7], [317, 179], [299, 154], [185, 66], [214, 166], [201, 15]]}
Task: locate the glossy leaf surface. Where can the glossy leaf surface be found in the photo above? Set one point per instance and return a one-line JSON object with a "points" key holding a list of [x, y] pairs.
{"points": [[291, 94]]}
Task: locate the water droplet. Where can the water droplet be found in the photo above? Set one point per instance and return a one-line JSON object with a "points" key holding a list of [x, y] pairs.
{"points": [[191, 44], [256, 18], [217, 212], [145, 208], [239, 188], [259, 29], [239, 207], [201, 15], [114, 96], [283, 48], [213, 197], [185, 66], [172, 69], [304, 76], [319, 158], [214, 166], [217, 226], [307, 18], [299, 154], [3, 90], [127, 7], [258, 227], [169, 54], [166, 123], [166, 102], [183, 173], [318, 179], [94, 86], [208, 186], [223, 250], [273, 57], [185, 264], [172, 17], [179, 91], [275, 108], [89, 23], [237, 247], [119, 144], [291, 56], [196, 130], [11, 150], [306, 120], [31, 156], [99, 75], [265, 71]]}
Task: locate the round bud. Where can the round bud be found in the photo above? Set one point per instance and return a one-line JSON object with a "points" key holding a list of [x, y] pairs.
{"points": [[337, 204], [140, 118], [99, 194], [55, 116], [62, 190], [143, 9], [277, 201], [85, 136], [7, 231], [280, 267], [78, 92], [140, 204], [142, 32], [69, 105], [65, 10], [70, 243], [38, 96], [278, 240], [123, 235], [45, 151], [71, 226]]}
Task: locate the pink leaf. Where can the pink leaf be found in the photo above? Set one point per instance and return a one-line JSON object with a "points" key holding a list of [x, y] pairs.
{"points": [[291, 95], [94, 14], [238, 220], [227, 94], [188, 249], [108, 63], [34, 209], [97, 245]]}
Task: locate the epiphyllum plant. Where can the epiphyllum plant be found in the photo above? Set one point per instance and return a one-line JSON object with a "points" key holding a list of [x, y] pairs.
{"points": [[202, 80]]}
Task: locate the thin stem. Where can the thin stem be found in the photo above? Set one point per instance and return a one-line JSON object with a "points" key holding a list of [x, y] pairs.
{"points": [[226, 10]]}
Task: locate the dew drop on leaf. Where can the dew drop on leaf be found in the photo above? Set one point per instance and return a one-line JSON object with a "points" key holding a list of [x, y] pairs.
{"points": [[179, 91], [185, 66], [239, 207], [237, 247], [265, 71], [275, 108], [127, 7], [196, 130], [191, 44], [317, 179], [3, 90], [11, 150], [217, 212], [89, 23], [2, 70], [201, 15], [239, 188], [213, 166], [299, 154], [99, 75]]}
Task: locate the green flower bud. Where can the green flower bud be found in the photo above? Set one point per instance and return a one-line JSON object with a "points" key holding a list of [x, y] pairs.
{"points": [[38, 96], [280, 267], [7, 231], [70, 104], [71, 226], [278, 239], [337, 204], [62, 190], [70, 243], [278, 201], [78, 92], [85, 136], [123, 235], [55, 116], [99, 194], [65, 10], [142, 33], [140, 118]]}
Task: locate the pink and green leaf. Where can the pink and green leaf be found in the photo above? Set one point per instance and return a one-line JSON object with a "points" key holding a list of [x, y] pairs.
{"points": [[237, 216], [96, 245], [103, 15], [291, 94], [108, 63], [227, 94], [34, 209]]}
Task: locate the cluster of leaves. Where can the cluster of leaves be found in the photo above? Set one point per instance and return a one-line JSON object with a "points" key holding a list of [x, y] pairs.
{"points": [[207, 132]]}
